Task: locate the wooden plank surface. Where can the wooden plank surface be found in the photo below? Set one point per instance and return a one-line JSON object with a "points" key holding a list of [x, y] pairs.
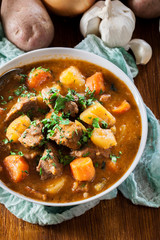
{"points": [[117, 219]]}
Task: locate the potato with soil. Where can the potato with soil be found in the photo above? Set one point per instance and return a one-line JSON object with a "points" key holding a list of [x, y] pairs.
{"points": [[145, 8], [27, 24]]}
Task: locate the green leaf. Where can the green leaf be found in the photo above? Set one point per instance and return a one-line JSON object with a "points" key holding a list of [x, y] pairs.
{"points": [[95, 123]]}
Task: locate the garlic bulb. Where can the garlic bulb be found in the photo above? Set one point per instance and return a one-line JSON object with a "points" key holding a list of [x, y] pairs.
{"points": [[141, 49], [114, 21]]}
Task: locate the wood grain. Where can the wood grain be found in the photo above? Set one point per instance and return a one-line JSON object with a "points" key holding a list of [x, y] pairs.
{"points": [[117, 219]]}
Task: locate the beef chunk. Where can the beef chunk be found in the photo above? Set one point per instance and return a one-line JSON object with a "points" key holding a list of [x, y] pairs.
{"points": [[49, 98], [36, 193], [80, 187], [68, 135], [24, 105], [32, 136], [49, 165], [91, 151], [72, 108], [32, 106]]}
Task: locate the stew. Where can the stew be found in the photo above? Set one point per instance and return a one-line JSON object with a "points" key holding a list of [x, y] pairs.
{"points": [[69, 130]]}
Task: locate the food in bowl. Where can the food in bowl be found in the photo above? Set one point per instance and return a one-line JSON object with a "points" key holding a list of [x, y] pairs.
{"points": [[69, 130]]}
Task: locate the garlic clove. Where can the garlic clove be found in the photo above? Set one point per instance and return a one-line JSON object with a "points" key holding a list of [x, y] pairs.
{"points": [[117, 28], [93, 26], [141, 50], [91, 17]]}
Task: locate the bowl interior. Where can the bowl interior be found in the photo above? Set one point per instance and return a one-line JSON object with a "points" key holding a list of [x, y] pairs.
{"points": [[56, 53]]}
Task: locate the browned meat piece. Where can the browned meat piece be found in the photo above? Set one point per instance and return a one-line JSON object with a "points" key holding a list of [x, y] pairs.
{"points": [[80, 187], [49, 98], [91, 151], [69, 135], [32, 136], [33, 106], [36, 193], [72, 108], [49, 165], [24, 105], [105, 97]]}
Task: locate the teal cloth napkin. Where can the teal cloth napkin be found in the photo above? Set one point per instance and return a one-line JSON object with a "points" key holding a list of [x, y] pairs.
{"points": [[141, 187]]}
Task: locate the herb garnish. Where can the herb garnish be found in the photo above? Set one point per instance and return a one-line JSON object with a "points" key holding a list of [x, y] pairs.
{"points": [[95, 123], [114, 158]]}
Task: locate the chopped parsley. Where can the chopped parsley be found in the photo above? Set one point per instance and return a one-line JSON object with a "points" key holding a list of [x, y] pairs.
{"points": [[20, 90], [86, 154], [104, 124], [65, 159], [114, 158], [6, 141], [52, 123], [48, 155], [18, 153], [40, 171], [95, 123]]}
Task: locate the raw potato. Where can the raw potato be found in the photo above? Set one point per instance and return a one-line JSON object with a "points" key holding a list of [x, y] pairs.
{"points": [[17, 127], [96, 110], [103, 138], [27, 24], [145, 8]]}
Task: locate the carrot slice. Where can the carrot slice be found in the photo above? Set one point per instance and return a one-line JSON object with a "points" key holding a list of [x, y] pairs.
{"points": [[83, 169], [124, 107], [38, 76], [96, 83], [17, 167]]}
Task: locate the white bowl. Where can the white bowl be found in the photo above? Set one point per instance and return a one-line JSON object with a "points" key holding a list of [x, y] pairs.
{"points": [[52, 53]]}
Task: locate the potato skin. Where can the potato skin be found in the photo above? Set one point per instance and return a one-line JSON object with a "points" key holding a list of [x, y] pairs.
{"points": [[145, 8], [27, 24]]}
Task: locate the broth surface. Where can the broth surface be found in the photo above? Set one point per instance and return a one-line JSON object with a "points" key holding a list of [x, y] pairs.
{"points": [[128, 135]]}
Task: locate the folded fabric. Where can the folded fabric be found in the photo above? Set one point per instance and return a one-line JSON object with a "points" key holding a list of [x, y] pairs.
{"points": [[141, 187]]}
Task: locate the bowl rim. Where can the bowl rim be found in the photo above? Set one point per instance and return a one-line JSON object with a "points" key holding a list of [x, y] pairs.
{"points": [[60, 52]]}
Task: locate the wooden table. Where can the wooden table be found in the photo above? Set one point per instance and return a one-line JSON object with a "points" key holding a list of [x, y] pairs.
{"points": [[117, 219]]}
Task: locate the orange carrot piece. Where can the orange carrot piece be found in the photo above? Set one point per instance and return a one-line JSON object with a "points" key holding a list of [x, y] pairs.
{"points": [[37, 77], [82, 169], [96, 83], [17, 167], [124, 107]]}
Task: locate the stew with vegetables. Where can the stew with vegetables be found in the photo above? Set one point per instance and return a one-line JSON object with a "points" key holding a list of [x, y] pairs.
{"points": [[68, 130]]}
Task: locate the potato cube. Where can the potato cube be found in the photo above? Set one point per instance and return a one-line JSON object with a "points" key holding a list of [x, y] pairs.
{"points": [[80, 124], [17, 127], [103, 138], [56, 185], [72, 78], [96, 110]]}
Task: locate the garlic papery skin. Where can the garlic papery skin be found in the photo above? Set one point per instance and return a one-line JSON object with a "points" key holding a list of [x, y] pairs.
{"points": [[91, 19], [112, 20], [141, 50], [116, 30]]}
